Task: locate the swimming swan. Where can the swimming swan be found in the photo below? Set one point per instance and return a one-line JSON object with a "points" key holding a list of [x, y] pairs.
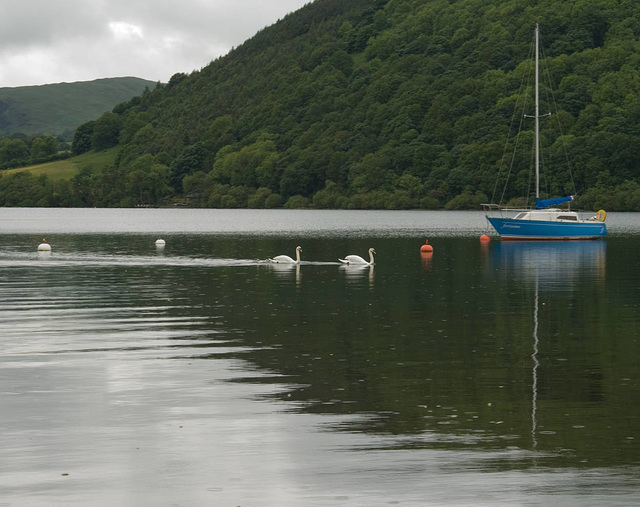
{"points": [[285, 259], [356, 259]]}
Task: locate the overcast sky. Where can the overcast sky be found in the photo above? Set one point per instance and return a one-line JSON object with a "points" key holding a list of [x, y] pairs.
{"points": [[44, 41]]}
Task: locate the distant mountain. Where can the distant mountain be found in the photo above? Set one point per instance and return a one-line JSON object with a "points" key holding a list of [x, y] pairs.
{"points": [[57, 109]]}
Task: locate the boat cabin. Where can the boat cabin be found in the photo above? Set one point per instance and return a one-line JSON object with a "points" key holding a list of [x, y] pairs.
{"points": [[548, 215]]}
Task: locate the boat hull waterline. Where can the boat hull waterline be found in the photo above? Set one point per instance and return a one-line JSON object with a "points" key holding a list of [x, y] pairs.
{"points": [[517, 229]]}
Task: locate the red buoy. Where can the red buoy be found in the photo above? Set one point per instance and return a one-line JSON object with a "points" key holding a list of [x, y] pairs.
{"points": [[484, 238], [426, 247]]}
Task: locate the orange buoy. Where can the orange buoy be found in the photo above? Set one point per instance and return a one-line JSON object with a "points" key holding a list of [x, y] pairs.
{"points": [[426, 247], [484, 238]]}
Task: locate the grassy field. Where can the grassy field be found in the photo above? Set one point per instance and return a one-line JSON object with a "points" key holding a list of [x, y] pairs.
{"points": [[67, 169]]}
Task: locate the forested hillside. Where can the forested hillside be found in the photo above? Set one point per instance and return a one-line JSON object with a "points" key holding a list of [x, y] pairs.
{"points": [[57, 109], [384, 104]]}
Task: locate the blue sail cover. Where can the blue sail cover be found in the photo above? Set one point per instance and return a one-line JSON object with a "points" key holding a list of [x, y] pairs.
{"points": [[545, 203]]}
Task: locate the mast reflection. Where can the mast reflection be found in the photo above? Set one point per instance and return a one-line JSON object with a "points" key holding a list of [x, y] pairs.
{"points": [[548, 267]]}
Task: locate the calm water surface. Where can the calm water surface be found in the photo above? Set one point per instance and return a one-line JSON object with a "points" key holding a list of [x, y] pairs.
{"points": [[198, 374]]}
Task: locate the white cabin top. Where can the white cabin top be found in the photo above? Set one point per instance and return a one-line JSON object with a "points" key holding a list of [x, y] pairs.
{"points": [[549, 215]]}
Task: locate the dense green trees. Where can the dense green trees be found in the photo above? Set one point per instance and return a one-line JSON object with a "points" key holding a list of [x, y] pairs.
{"points": [[20, 150], [13, 152], [100, 134], [24, 189], [386, 104]]}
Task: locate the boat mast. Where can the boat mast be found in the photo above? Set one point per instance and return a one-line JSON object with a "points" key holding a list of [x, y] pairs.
{"points": [[537, 116]]}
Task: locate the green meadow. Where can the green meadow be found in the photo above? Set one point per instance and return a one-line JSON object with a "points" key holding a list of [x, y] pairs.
{"points": [[68, 168]]}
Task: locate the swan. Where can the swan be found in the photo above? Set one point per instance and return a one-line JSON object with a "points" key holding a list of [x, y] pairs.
{"points": [[285, 259], [356, 259]]}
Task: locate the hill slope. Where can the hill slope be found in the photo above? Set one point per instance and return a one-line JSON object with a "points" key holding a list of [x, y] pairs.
{"points": [[385, 104], [54, 109]]}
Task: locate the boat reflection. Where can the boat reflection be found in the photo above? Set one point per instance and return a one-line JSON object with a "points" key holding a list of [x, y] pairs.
{"points": [[549, 267], [551, 264]]}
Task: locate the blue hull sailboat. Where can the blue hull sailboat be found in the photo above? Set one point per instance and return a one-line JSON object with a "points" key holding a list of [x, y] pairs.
{"points": [[546, 221], [549, 224]]}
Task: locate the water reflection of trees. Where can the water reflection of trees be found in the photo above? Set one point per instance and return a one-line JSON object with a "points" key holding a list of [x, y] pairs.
{"points": [[445, 352]]}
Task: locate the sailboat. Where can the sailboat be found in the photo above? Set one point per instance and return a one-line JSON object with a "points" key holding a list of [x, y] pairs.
{"points": [[545, 221]]}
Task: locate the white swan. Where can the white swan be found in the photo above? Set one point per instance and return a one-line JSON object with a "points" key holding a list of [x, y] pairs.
{"points": [[356, 259], [285, 259]]}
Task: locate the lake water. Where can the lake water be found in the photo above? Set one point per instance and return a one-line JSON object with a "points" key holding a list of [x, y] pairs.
{"points": [[482, 375]]}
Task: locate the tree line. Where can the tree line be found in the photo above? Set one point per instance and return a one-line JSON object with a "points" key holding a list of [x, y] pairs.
{"points": [[21, 150]]}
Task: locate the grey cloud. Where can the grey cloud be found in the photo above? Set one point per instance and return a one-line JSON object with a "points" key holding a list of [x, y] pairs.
{"points": [[46, 42]]}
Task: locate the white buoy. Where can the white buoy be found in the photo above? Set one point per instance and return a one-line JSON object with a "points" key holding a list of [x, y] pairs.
{"points": [[160, 243], [44, 246]]}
